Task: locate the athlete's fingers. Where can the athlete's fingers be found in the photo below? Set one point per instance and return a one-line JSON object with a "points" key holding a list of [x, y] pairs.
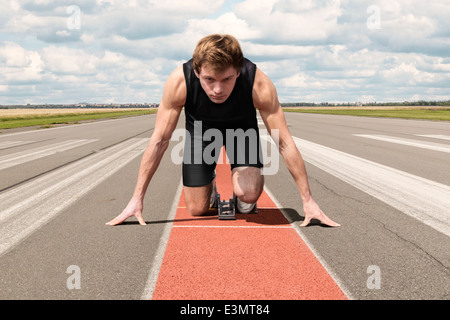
{"points": [[323, 219], [121, 218], [141, 220], [117, 220], [114, 222], [312, 211], [327, 221], [305, 222]]}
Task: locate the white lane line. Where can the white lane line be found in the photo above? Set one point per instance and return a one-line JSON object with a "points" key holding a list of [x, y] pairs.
{"points": [[434, 136], [297, 228], [9, 144], [17, 158], [26, 208], [423, 199], [408, 142], [260, 120], [152, 278]]}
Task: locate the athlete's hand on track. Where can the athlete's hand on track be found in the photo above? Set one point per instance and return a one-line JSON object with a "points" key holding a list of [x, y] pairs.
{"points": [[134, 208], [312, 211]]}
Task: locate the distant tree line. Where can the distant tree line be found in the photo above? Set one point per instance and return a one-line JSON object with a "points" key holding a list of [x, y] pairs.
{"points": [[419, 103], [81, 106]]}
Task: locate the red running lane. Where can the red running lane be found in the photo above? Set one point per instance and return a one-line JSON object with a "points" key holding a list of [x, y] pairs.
{"points": [[255, 257]]}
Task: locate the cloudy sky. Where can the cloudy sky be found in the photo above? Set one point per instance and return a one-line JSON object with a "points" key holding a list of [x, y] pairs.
{"points": [[115, 51]]}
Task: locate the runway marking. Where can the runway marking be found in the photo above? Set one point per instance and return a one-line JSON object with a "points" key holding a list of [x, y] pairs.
{"points": [[256, 256], [152, 278], [318, 256], [260, 120], [17, 158], [408, 142], [28, 207], [425, 200], [434, 136], [9, 144]]}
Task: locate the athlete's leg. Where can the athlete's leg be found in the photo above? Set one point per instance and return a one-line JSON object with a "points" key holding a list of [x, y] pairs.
{"points": [[198, 182], [198, 199], [198, 176], [248, 183]]}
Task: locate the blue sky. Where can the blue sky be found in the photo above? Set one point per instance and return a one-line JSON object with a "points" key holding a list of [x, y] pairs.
{"points": [[111, 51]]}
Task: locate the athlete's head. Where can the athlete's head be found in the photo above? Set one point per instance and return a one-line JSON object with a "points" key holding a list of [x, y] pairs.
{"points": [[218, 51], [217, 62]]}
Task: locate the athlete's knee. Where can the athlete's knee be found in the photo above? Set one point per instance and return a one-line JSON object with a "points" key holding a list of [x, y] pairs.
{"points": [[248, 184], [198, 199], [196, 212], [196, 207], [248, 195], [249, 192]]}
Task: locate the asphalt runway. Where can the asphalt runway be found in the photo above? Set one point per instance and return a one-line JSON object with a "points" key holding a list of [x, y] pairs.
{"points": [[386, 181]]}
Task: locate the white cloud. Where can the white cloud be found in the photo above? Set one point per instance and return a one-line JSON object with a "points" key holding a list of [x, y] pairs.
{"points": [[303, 80], [227, 23], [70, 61], [314, 50], [407, 73], [18, 65], [287, 21]]}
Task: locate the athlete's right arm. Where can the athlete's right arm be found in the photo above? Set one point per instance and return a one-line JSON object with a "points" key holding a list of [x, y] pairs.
{"points": [[172, 102]]}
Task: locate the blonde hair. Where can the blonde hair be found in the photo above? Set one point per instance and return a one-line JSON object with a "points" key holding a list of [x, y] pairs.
{"points": [[218, 51]]}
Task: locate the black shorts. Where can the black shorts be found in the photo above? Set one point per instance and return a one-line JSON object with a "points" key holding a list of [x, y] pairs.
{"points": [[201, 153]]}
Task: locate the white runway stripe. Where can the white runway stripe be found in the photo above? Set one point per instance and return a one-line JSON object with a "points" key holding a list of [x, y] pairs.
{"points": [[423, 199], [260, 121], [434, 136], [408, 142], [9, 144], [26, 208], [15, 159], [297, 228], [152, 278]]}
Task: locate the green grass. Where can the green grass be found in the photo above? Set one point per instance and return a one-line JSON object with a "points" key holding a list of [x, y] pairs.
{"points": [[426, 114], [47, 121]]}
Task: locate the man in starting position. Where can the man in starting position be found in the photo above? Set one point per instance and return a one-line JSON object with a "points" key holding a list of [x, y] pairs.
{"points": [[220, 90]]}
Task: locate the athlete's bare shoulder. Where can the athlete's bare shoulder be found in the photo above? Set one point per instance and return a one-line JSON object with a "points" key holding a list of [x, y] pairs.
{"points": [[175, 89], [264, 92]]}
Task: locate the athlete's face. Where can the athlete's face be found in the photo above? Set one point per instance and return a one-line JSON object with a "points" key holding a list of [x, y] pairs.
{"points": [[218, 86]]}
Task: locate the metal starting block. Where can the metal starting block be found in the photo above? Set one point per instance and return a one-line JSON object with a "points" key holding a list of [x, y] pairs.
{"points": [[227, 209]]}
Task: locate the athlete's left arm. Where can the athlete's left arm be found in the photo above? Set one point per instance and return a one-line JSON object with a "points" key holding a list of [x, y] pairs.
{"points": [[265, 98]]}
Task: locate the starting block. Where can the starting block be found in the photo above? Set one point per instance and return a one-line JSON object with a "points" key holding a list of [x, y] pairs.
{"points": [[227, 209]]}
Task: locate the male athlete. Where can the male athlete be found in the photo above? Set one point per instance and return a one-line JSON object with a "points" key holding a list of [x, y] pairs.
{"points": [[220, 89]]}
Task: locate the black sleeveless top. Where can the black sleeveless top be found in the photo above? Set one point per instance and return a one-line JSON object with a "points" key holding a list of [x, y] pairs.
{"points": [[236, 112]]}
